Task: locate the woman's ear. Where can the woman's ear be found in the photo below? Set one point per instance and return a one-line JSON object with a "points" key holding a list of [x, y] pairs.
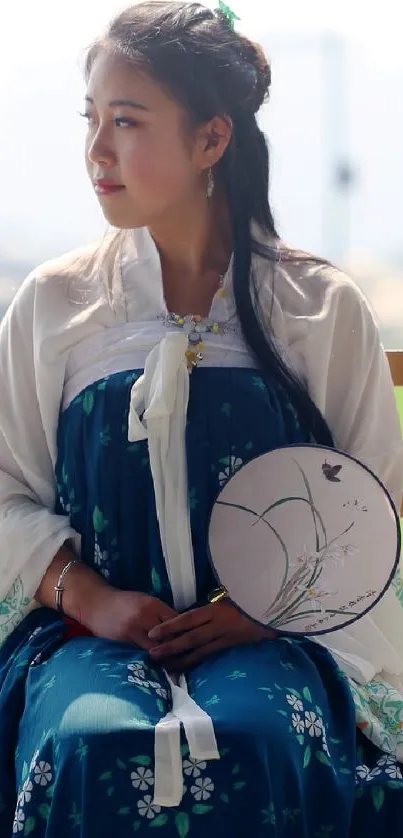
{"points": [[212, 140]]}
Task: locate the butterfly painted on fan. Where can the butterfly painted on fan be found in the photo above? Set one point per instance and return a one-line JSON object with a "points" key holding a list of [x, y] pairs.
{"points": [[331, 472]]}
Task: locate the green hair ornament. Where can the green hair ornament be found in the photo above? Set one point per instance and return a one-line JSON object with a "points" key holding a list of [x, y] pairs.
{"points": [[228, 13]]}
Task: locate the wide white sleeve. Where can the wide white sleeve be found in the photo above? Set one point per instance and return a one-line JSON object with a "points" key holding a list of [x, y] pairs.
{"points": [[349, 379], [30, 532]]}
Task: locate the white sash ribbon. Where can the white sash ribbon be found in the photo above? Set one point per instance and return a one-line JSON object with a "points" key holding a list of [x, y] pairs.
{"points": [[158, 412]]}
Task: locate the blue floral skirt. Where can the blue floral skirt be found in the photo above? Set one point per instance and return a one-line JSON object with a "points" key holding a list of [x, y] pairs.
{"points": [[77, 714]]}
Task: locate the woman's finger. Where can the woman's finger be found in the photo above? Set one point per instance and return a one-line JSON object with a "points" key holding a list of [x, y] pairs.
{"points": [[165, 612], [184, 662], [186, 642], [184, 622]]}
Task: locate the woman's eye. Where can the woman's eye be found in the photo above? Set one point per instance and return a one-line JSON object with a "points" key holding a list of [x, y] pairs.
{"points": [[86, 116], [120, 122]]}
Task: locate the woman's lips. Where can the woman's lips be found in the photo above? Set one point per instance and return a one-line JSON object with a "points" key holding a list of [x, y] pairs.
{"points": [[105, 188]]}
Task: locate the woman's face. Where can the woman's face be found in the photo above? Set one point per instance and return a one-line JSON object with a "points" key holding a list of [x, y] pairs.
{"points": [[137, 141]]}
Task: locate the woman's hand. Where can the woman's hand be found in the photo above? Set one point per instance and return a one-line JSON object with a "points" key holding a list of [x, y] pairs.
{"points": [[187, 639], [127, 616], [89, 600]]}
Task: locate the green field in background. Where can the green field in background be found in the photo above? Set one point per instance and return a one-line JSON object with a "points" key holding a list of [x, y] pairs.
{"points": [[399, 399]]}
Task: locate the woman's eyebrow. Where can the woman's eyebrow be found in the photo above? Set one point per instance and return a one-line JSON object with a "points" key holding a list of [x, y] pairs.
{"points": [[116, 103]]}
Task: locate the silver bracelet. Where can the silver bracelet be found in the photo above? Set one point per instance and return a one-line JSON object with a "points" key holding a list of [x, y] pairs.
{"points": [[59, 588]]}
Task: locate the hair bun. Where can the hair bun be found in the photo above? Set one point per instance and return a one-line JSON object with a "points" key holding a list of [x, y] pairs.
{"points": [[260, 74]]}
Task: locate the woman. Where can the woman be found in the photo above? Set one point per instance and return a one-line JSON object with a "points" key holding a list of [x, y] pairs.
{"points": [[253, 733]]}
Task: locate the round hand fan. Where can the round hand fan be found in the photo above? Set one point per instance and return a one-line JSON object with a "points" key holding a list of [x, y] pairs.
{"points": [[305, 539]]}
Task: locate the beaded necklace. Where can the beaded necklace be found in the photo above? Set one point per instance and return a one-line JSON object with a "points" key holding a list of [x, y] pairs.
{"points": [[195, 327]]}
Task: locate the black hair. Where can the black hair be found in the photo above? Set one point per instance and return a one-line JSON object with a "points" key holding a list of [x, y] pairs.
{"points": [[210, 69]]}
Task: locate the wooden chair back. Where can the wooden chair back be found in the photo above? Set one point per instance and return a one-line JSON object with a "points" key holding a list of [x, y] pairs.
{"points": [[395, 359]]}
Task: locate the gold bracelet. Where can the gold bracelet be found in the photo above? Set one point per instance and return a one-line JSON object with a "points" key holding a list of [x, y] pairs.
{"points": [[218, 595]]}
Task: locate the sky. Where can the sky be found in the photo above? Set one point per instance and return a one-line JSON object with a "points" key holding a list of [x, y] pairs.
{"points": [[47, 31], [47, 204]]}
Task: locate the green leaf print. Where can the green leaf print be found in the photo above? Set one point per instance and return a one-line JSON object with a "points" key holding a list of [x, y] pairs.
{"points": [[307, 695], [110, 791], [287, 666], [125, 810], [291, 691], [44, 811], [182, 823], [136, 826], [307, 756], [107, 775], [300, 738], [98, 520], [25, 770], [201, 809], [141, 760], [160, 705], [105, 435], [50, 684], [29, 825], [237, 674], [88, 402], [269, 815], [236, 769], [160, 820], [184, 750], [324, 759], [213, 700], [391, 784], [193, 501], [226, 409], [120, 763], [156, 581], [378, 797], [238, 786], [82, 750], [224, 797]]}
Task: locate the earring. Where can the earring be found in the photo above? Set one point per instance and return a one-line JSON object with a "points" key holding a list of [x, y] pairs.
{"points": [[210, 185]]}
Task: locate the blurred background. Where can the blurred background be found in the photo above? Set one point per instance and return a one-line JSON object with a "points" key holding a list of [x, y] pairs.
{"points": [[334, 124]]}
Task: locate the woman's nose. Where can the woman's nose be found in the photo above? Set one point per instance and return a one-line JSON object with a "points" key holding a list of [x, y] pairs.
{"points": [[100, 151]]}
